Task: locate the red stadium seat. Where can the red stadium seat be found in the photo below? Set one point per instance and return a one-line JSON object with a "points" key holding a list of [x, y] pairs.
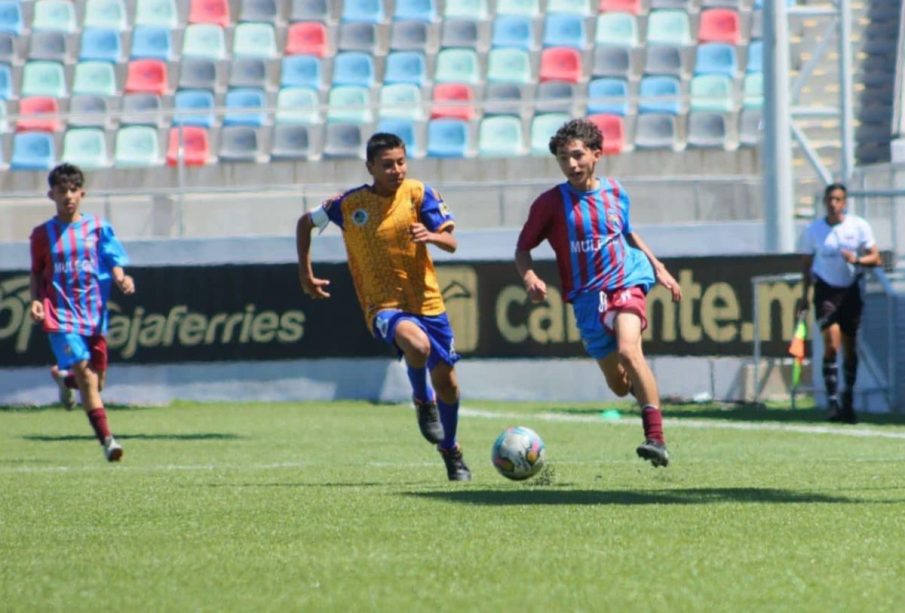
{"points": [[307, 38], [622, 6], [453, 92], [719, 26], [147, 77], [196, 146], [560, 64], [613, 130], [210, 11], [39, 114]]}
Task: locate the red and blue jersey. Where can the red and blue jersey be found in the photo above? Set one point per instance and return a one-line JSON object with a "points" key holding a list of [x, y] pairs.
{"points": [[73, 263], [587, 231]]}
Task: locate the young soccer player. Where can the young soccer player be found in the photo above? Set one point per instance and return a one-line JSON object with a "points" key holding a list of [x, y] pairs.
{"points": [[836, 248], [605, 271], [70, 255], [387, 227]]}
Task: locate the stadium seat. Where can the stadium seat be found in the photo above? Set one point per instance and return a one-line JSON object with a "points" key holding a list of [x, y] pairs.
{"points": [[470, 9], [565, 30], [609, 96], [557, 97], [148, 76], [750, 129], [617, 29], [753, 91], [668, 26], [404, 129], [453, 101], [248, 72], [301, 71], [448, 138], [457, 66], [105, 14], [502, 99], [11, 21], [543, 127], [4, 125], [204, 40], [560, 64], [656, 131], [358, 36], [719, 25], [151, 42], [290, 142], [259, 11], [142, 109], [195, 146], [254, 40], [39, 113], [86, 148], [406, 67], [136, 147], [610, 61], [197, 73], [501, 136], [757, 24], [298, 105], [418, 10], [509, 65], [41, 78], [716, 58], [613, 129], [308, 38], [513, 31], [344, 140], [460, 33], [620, 6], [664, 60], [363, 10], [55, 15], [349, 104], [401, 101], [354, 68], [707, 130], [572, 7], [712, 92], [6, 82], [33, 151], [528, 8], [210, 12], [194, 107], [240, 144], [755, 56], [47, 45], [87, 111], [409, 36], [660, 94], [157, 13], [101, 44], [309, 10], [96, 78], [245, 100], [8, 51]]}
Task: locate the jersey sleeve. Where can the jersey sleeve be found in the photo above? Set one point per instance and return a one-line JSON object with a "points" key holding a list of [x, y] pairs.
{"points": [[537, 227], [435, 215], [111, 251]]}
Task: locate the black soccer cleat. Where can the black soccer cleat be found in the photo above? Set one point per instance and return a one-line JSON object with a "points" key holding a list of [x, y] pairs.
{"points": [[429, 421], [654, 451], [456, 469]]}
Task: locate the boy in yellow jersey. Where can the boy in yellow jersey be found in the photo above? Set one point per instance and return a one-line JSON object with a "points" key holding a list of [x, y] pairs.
{"points": [[387, 227]]}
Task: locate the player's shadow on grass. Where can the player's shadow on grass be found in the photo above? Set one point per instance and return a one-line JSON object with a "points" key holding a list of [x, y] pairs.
{"points": [[634, 497], [188, 436]]}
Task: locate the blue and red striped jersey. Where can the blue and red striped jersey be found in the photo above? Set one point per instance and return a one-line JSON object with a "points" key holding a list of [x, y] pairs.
{"points": [[73, 263], [587, 231]]}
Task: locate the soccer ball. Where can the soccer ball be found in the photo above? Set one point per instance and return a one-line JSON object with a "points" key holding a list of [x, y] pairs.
{"points": [[518, 453]]}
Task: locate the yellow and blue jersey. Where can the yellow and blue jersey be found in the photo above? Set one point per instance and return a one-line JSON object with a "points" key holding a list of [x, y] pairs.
{"points": [[388, 269]]}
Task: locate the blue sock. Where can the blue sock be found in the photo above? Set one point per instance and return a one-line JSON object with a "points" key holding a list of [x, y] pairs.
{"points": [[449, 417], [420, 387]]}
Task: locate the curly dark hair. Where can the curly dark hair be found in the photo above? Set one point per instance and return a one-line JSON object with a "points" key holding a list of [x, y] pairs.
{"points": [[577, 129], [381, 141], [68, 174]]}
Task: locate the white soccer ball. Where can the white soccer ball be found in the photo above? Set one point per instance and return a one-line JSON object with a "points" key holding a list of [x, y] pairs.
{"points": [[518, 453]]}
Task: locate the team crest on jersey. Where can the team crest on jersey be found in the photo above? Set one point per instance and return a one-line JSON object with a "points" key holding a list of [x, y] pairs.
{"points": [[613, 219], [360, 217]]}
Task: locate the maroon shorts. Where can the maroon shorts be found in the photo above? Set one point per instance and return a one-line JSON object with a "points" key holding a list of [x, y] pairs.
{"points": [[629, 300], [97, 345]]}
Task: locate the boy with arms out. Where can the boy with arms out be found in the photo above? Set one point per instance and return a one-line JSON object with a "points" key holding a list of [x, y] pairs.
{"points": [[73, 258], [387, 227], [605, 270]]}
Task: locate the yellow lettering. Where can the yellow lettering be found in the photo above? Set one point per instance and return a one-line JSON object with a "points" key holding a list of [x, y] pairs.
{"points": [[718, 306], [292, 327], [191, 329], [691, 292], [211, 333], [264, 327], [509, 296], [545, 322]]}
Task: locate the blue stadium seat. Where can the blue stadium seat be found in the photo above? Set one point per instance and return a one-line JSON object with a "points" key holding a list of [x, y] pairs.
{"points": [[54, 15], [753, 90], [298, 105], [404, 129], [617, 29], [659, 94], [40, 78], [460, 33], [513, 31], [716, 58], [33, 151], [8, 51], [448, 138], [309, 10], [469, 9], [246, 100], [501, 136], [509, 65], [249, 72], [406, 67], [255, 40], [354, 68], [418, 10], [565, 30], [401, 101], [543, 127], [712, 92], [160, 13], [358, 36], [344, 140], [707, 130], [669, 26], [349, 104], [204, 40], [262, 11], [608, 95], [106, 14], [151, 42], [370, 11], [11, 17], [101, 44], [47, 45], [302, 71], [457, 66], [93, 77], [6, 82], [195, 107], [291, 142], [656, 131], [755, 56]]}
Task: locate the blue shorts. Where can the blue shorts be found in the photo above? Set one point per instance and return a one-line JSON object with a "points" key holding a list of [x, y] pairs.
{"points": [[595, 314], [69, 348], [437, 328]]}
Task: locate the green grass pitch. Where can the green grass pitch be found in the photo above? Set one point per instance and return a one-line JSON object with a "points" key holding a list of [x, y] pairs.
{"points": [[343, 507]]}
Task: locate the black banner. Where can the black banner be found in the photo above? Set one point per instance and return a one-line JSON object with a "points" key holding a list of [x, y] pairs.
{"points": [[258, 312]]}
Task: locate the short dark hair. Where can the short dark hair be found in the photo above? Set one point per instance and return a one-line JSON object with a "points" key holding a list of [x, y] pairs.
{"points": [[833, 187], [68, 174], [381, 141], [577, 129]]}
